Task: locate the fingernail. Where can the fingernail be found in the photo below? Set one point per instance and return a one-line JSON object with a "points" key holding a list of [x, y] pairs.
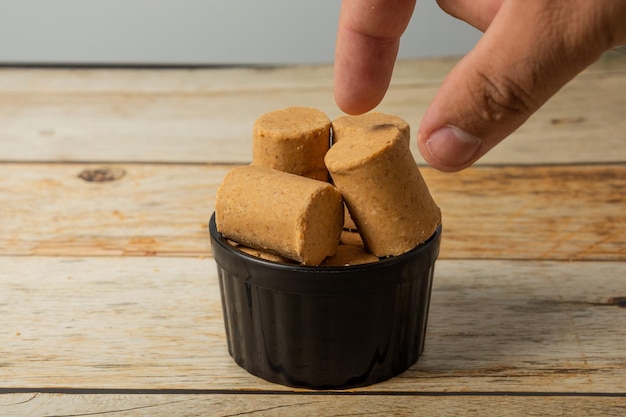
{"points": [[452, 146]]}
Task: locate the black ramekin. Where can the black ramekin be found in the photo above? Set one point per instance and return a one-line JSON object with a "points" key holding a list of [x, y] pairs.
{"points": [[325, 327]]}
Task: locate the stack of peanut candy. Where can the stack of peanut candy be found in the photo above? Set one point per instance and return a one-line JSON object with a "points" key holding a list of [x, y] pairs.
{"points": [[303, 200]]}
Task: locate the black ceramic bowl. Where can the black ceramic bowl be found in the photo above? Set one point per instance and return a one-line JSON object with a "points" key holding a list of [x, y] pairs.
{"points": [[325, 327]]}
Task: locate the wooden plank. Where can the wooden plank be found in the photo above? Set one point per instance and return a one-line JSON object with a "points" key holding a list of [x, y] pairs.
{"points": [[564, 212], [172, 405], [206, 115], [49, 209], [212, 80], [156, 323], [553, 212]]}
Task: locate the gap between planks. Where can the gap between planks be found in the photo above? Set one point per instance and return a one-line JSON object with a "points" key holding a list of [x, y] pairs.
{"points": [[156, 323], [307, 405], [207, 115]]}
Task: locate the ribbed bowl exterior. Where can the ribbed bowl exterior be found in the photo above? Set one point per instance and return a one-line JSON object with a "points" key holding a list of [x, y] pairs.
{"points": [[325, 327]]}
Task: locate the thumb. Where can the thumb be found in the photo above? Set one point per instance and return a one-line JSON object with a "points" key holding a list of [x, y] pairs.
{"points": [[529, 51]]}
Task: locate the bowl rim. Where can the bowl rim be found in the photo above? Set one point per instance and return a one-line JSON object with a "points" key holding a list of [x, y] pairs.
{"points": [[219, 238], [298, 278]]}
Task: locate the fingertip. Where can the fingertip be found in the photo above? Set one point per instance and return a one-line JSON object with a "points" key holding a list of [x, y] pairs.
{"points": [[353, 103], [362, 73], [368, 38], [450, 149]]}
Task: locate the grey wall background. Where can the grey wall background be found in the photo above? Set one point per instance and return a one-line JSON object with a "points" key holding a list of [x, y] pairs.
{"points": [[196, 32]]}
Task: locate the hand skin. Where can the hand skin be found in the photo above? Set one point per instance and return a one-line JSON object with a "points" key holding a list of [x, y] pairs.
{"points": [[530, 49]]}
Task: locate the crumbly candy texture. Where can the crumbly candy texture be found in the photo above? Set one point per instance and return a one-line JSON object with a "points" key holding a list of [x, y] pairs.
{"points": [[264, 255], [281, 208], [350, 255], [292, 216], [352, 238], [383, 190], [293, 140], [348, 125]]}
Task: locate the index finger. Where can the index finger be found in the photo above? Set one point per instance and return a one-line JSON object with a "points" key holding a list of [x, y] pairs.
{"points": [[368, 39]]}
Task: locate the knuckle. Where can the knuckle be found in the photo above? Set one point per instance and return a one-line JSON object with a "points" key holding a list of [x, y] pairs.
{"points": [[502, 98]]}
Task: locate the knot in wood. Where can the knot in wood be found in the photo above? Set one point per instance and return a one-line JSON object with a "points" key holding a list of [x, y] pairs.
{"points": [[102, 174], [618, 301]]}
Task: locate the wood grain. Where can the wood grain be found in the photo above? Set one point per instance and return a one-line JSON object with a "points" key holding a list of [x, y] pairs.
{"points": [[156, 323], [172, 405], [110, 302], [206, 115], [540, 212]]}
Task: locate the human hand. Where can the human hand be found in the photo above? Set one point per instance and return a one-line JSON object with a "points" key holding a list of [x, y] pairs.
{"points": [[529, 51]]}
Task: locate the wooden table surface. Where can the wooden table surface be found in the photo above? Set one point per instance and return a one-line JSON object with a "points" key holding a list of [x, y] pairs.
{"points": [[109, 301]]}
